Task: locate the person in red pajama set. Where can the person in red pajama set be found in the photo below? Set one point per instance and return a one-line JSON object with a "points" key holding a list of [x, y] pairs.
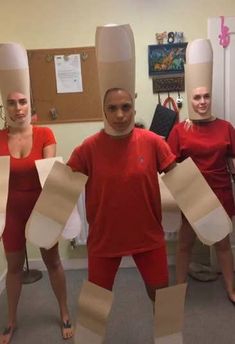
{"points": [[210, 142], [24, 143], [122, 195]]}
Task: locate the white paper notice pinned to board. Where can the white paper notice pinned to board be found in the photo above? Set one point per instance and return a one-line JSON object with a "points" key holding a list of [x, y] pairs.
{"points": [[68, 73]]}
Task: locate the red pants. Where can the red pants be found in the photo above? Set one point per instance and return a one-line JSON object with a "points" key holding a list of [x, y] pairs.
{"points": [[152, 266]]}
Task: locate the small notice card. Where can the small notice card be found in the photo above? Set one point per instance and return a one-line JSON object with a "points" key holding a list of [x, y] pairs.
{"points": [[68, 73]]}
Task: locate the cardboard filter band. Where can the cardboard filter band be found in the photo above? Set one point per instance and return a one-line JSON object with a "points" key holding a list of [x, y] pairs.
{"points": [[73, 225], [198, 202], [44, 167], [54, 205], [198, 72], [115, 55], [197, 75], [94, 306], [171, 213], [4, 184], [169, 314], [14, 75]]}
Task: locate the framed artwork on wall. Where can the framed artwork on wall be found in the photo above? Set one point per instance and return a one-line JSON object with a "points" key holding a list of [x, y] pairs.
{"points": [[166, 66]]}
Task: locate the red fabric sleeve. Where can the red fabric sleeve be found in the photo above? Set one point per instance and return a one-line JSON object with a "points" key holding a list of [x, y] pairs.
{"points": [[77, 161], [165, 157], [49, 138]]}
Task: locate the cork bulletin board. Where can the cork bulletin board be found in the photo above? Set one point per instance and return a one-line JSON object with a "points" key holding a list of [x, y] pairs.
{"points": [[53, 107]]}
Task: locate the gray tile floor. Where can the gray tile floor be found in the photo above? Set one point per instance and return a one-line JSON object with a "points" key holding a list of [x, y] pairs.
{"points": [[209, 316]]}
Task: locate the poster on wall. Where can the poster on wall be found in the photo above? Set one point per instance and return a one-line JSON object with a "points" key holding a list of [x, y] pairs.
{"points": [[166, 66]]}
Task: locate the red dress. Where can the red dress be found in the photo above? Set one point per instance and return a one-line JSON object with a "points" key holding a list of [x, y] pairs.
{"points": [[209, 144], [24, 187], [122, 193]]}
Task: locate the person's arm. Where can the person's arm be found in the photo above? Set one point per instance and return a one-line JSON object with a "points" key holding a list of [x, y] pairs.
{"points": [[49, 151]]}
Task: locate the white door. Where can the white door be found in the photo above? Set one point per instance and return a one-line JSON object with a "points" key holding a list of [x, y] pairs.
{"points": [[221, 32]]}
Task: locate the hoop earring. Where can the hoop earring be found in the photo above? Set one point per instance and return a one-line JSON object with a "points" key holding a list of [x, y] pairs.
{"points": [[3, 117]]}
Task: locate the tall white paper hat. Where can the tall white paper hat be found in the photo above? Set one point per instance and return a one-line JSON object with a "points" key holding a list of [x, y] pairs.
{"points": [[14, 74], [115, 54], [198, 71]]}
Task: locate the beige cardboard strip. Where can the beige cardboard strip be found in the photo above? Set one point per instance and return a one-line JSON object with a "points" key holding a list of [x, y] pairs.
{"points": [[122, 73], [115, 53], [55, 204], [44, 167], [60, 193], [197, 75], [216, 220], [94, 306], [73, 225], [176, 338], [169, 313], [15, 79], [167, 201], [198, 202], [4, 183], [42, 231], [171, 213]]}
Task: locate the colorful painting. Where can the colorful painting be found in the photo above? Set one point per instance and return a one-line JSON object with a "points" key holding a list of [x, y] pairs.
{"points": [[165, 59]]}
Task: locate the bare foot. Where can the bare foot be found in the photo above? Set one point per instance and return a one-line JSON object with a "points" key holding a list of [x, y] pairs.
{"points": [[67, 329], [6, 335]]}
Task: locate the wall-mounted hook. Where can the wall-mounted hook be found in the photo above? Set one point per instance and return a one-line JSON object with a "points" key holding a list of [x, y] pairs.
{"points": [[53, 113], [84, 56], [49, 58]]}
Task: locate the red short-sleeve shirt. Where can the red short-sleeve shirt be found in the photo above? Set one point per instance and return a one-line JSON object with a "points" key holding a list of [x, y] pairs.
{"points": [[122, 193]]}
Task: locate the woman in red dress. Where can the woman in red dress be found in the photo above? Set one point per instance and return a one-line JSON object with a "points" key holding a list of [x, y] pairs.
{"points": [[25, 143]]}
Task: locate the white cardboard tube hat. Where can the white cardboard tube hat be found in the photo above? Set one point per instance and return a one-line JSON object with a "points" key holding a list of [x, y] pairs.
{"points": [[115, 54], [14, 75], [198, 71]]}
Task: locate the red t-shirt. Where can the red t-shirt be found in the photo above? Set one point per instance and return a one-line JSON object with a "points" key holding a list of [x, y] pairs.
{"points": [[209, 144], [122, 193]]}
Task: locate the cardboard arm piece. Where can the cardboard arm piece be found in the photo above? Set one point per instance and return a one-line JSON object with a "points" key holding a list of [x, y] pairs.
{"points": [[54, 205], [171, 213], [4, 182], [169, 314], [198, 202], [94, 306], [73, 226]]}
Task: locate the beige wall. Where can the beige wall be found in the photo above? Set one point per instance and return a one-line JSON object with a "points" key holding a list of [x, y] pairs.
{"points": [[60, 23]]}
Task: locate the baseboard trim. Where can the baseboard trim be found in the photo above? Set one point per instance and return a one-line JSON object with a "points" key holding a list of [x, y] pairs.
{"points": [[74, 264]]}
